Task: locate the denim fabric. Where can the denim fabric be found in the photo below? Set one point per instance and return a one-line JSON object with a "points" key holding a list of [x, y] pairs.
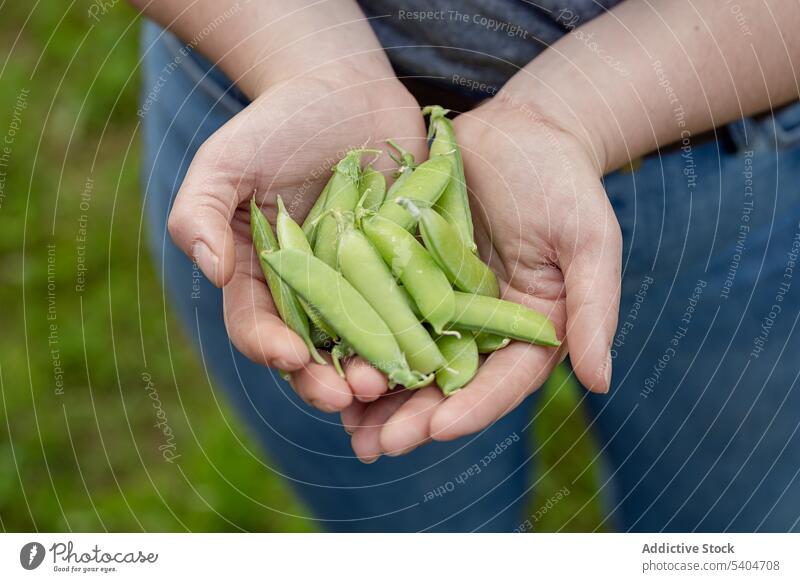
{"points": [[699, 431], [485, 41]]}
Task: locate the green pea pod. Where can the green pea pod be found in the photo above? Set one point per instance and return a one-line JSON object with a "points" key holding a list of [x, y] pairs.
{"points": [[453, 204], [423, 187], [291, 236], [339, 352], [416, 269], [489, 342], [405, 167], [285, 300], [310, 223], [342, 196], [410, 302], [461, 354], [347, 311], [464, 270], [402, 177], [364, 268], [371, 189], [505, 318]]}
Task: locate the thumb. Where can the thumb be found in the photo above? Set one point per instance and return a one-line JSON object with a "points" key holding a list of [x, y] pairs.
{"points": [[592, 273], [199, 222]]}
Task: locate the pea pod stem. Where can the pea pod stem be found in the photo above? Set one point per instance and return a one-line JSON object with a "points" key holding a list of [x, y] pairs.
{"points": [[404, 159], [339, 352], [285, 300]]}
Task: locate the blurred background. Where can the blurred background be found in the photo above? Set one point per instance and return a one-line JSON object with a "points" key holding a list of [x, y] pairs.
{"points": [[91, 357]]}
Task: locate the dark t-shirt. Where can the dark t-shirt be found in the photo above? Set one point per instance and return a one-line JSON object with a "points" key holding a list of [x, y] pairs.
{"points": [[480, 42]]}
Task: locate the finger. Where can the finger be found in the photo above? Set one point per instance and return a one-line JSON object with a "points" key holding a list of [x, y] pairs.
{"points": [[592, 278], [366, 438], [321, 387], [351, 416], [502, 383], [251, 320], [409, 427], [366, 381], [199, 221]]}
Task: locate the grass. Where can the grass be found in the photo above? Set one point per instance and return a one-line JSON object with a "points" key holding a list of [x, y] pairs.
{"points": [[87, 458]]}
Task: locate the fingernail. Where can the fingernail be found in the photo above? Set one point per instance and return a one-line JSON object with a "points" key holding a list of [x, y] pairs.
{"points": [[206, 260], [369, 461], [348, 430]]}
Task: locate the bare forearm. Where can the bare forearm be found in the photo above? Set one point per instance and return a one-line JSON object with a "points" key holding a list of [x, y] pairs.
{"points": [[649, 73], [260, 43]]}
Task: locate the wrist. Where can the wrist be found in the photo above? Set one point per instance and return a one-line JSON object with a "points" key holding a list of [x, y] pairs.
{"points": [[260, 44], [553, 123], [342, 70]]}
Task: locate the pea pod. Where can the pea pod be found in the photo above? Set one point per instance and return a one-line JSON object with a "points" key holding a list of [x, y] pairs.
{"points": [[416, 269], [405, 167], [339, 352], [371, 189], [350, 315], [364, 268], [285, 300], [453, 204], [423, 186], [505, 318], [310, 223], [291, 236], [342, 196], [461, 354], [464, 270], [489, 342]]}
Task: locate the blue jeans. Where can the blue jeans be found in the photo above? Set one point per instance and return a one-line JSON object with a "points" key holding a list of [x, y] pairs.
{"points": [[700, 429]]}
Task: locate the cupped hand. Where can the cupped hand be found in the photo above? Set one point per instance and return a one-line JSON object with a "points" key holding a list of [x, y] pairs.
{"points": [[284, 143], [544, 224]]}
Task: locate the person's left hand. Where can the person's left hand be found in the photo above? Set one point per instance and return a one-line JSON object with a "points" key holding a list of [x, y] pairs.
{"points": [[544, 223]]}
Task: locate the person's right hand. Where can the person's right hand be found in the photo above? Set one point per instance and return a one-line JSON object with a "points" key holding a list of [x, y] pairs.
{"points": [[285, 143]]}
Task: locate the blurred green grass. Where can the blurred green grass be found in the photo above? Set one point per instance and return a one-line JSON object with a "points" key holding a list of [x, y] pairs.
{"points": [[83, 460]]}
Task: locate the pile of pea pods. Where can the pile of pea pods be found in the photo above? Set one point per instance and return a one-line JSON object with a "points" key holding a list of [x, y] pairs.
{"points": [[394, 275]]}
